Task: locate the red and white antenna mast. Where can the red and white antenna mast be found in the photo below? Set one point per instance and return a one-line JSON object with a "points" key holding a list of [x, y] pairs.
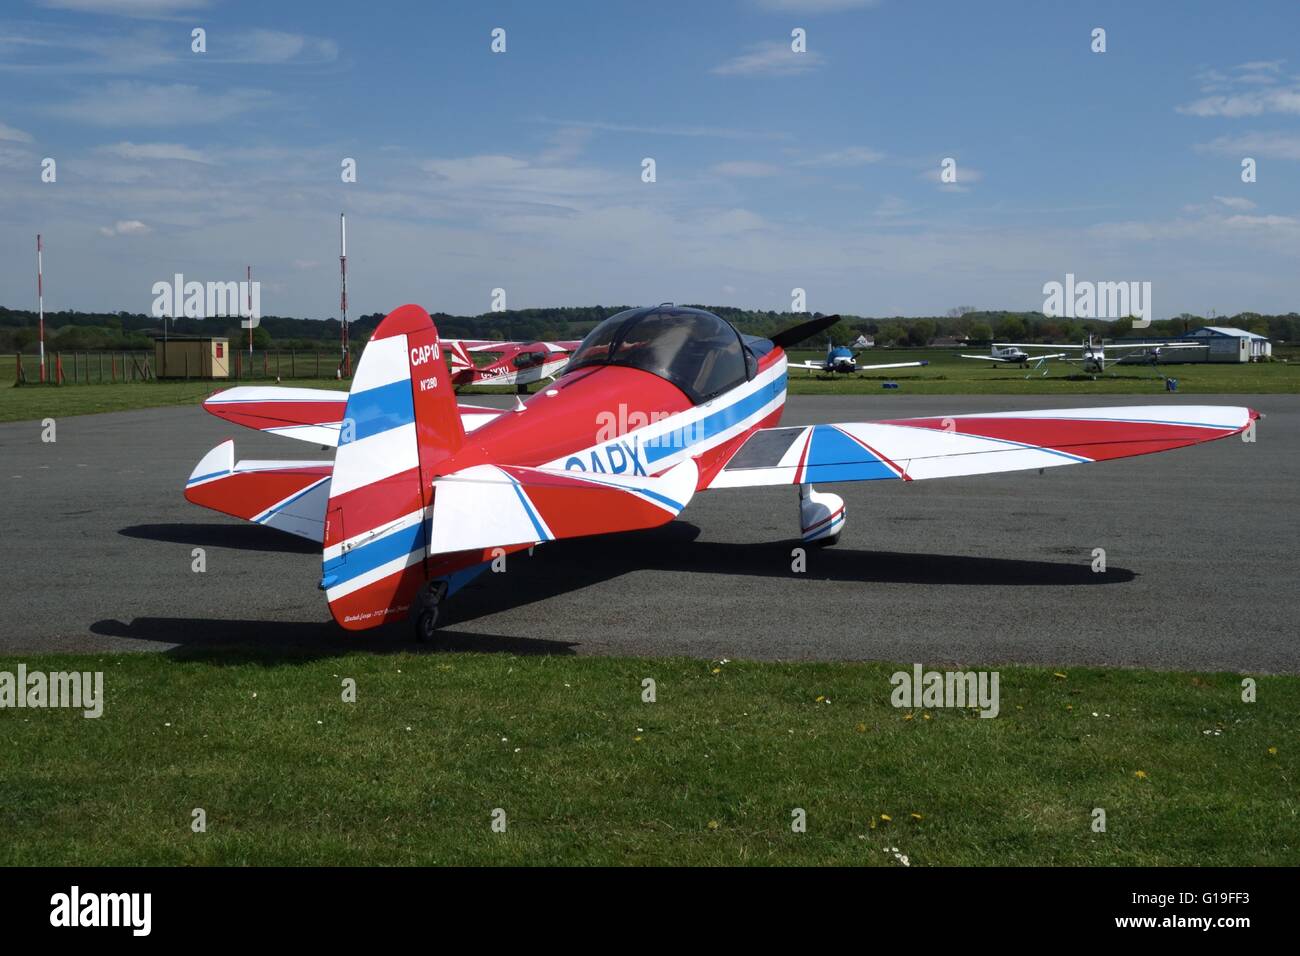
{"points": [[40, 304], [345, 365], [248, 307]]}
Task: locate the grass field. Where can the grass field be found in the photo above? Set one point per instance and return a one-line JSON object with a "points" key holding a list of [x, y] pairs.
{"points": [[586, 772], [945, 375], [42, 401]]}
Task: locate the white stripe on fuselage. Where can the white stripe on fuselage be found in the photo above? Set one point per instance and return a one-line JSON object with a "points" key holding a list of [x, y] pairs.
{"points": [[681, 431]]}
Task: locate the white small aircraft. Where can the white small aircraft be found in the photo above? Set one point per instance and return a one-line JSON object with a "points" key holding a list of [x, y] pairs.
{"points": [[1014, 355], [1092, 359]]}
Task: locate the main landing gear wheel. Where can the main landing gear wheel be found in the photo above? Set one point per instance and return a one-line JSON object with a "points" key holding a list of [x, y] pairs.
{"points": [[424, 616], [826, 542]]}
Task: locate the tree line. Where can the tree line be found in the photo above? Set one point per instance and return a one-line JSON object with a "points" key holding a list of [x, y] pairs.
{"points": [[77, 331]]}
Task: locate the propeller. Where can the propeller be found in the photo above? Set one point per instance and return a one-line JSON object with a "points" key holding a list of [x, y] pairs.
{"points": [[795, 335]]}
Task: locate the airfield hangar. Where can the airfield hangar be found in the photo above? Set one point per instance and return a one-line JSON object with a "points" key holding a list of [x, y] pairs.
{"points": [[1228, 345]]}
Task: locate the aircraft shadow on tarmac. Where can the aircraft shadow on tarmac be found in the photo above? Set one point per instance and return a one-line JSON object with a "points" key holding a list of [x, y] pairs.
{"points": [[564, 566], [243, 537], [561, 568], [286, 642]]}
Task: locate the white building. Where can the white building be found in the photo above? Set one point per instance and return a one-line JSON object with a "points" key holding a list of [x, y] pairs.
{"points": [[1228, 345]]}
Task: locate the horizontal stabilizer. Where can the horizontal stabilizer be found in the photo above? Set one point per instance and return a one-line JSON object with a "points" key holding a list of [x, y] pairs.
{"points": [[285, 495], [489, 506], [919, 448], [309, 414]]}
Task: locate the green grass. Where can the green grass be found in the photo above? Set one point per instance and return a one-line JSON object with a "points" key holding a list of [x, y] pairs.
{"points": [[587, 773], [58, 401]]}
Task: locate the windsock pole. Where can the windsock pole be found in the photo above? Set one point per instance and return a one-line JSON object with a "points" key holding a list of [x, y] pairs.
{"points": [[345, 363], [40, 304]]}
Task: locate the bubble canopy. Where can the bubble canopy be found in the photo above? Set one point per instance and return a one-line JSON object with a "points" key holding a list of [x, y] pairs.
{"points": [[698, 352]]}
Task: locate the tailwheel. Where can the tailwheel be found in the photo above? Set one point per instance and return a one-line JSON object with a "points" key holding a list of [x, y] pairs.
{"points": [[425, 612]]}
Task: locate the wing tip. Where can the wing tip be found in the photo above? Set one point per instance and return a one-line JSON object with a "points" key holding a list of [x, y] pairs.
{"points": [[219, 461]]}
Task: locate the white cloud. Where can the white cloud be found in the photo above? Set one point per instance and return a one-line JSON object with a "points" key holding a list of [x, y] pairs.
{"points": [[1248, 103], [850, 156], [1208, 227], [1269, 145], [718, 132], [272, 46], [745, 169], [128, 8], [129, 103], [154, 151], [770, 59], [9, 134], [124, 227], [965, 176], [114, 50], [1235, 202], [815, 6], [567, 144], [891, 207]]}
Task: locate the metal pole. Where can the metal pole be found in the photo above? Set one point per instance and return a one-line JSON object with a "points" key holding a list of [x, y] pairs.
{"points": [[40, 303], [344, 369]]}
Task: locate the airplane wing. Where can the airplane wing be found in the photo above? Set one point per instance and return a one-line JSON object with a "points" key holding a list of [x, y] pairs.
{"points": [[1155, 345], [920, 448], [1006, 361], [308, 414], [286, 495], [868, 368], [489, 506], [816, 366], [1030, 345]]}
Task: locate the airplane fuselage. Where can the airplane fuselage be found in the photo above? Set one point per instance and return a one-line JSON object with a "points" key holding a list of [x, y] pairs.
{"points": [[621, 421]]}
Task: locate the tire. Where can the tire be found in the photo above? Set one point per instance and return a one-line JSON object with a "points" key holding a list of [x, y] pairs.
{"points": [[426, 624], [829, 542]]}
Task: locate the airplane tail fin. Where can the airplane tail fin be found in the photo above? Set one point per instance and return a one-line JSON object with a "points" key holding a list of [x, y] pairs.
{"points": [[400, 425], [458, 356]]}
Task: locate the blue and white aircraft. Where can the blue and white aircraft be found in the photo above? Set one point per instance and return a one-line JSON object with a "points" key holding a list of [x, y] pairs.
{"points": [[841, 359]]}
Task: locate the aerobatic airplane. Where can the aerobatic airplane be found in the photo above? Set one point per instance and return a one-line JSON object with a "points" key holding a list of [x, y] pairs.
{"points": [[516, 363], [655, 406], [841, 359]]}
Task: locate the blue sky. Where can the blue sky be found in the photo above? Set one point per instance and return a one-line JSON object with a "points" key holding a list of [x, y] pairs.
{"points": [[775, 170]]}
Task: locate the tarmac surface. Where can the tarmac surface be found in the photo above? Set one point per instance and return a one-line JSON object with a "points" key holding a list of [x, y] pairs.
{"points": [[1200, 544]]}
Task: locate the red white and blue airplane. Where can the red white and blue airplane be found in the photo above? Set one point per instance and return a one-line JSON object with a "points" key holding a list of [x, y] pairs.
{"points": [[655, 406], [514, 363]]}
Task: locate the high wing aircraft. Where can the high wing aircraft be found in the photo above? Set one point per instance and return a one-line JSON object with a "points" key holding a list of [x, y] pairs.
{"points": [[516, 363], [841, 359], [1092, 358], [656, 405]]}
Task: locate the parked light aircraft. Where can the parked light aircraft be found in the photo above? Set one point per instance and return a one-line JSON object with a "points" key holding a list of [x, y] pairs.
{"points": [[1012, 355], [656, 405], [841, 359], [1092, 358], [515, 363]]}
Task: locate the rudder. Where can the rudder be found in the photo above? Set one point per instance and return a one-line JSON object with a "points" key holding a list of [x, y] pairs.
{"points": [[400, 424]]}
